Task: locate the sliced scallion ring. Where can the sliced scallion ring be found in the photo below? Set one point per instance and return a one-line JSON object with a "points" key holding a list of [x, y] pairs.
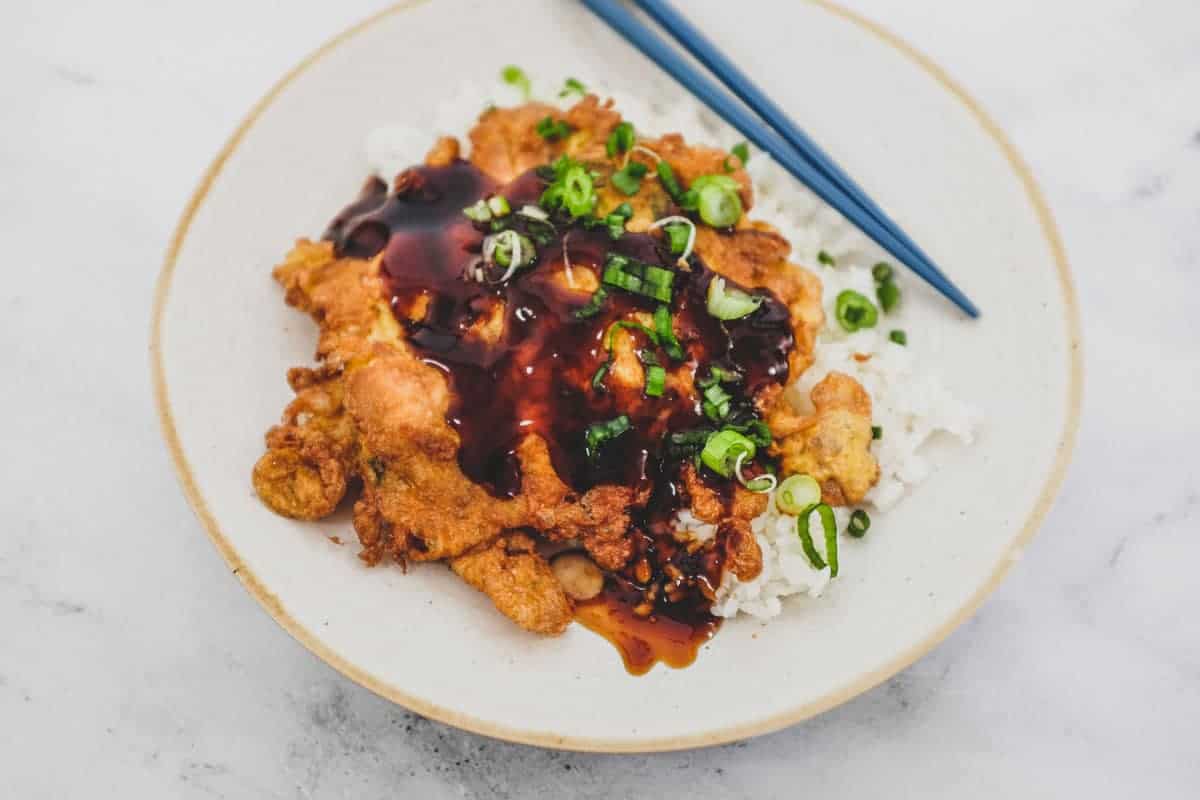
{"points": [[689, 243], [854, 311], [718, 200], [797, 494], [726, 303], [498, 204], [860, 523], [829, 528], [534, 212], [600, 432], [480, 212], [721, 451]]}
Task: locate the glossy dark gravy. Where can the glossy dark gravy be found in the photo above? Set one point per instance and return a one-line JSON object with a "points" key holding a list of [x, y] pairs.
{"points": [[535, 375]]}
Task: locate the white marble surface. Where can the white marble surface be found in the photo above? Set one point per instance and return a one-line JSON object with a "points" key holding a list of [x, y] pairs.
{"points": [[133, 665]]}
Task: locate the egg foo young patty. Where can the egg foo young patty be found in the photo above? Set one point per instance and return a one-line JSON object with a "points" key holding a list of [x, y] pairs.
{"points": [[556, 345]]}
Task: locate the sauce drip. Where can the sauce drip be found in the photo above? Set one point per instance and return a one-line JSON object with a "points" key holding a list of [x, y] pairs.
{"points": [[520, 361]]}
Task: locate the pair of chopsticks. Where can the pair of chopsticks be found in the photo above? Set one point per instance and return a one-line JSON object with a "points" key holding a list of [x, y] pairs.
{"points": [[771, 130]]}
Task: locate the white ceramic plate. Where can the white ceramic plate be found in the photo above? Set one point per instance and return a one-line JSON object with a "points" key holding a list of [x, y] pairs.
{"points": [[223, 339]]}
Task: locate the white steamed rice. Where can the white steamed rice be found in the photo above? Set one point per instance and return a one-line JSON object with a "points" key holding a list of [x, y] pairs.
{"points": [[911, 406]]}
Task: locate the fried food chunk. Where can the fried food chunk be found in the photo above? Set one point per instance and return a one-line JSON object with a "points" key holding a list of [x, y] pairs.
{"points": [[521, 584], [505, 142], [690, 161], [756, 256], [833, 444], [304, 472]]}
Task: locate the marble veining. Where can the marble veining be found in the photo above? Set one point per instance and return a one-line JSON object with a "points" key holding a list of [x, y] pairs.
{"points": [[134, 665]]}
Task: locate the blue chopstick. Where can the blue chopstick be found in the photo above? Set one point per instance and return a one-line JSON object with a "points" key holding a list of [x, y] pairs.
{"points": [[696, 43], [763, 137]]}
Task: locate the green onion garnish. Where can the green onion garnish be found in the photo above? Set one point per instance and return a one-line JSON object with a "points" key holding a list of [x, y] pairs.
{"points": [[515, 76], [726, 303], [678, 236], [797, 494], [888, 294], [666, 333], [717, 403], [598, 376], [722, 450], [572, 86], [620, 140], [742, 151], [876, 432], [717, 200], [594, 305], [899, 337], [860, 523], [829, 527], [656, 380], [498, 205], [579, 193], [854, 312], [882, 272], [480, 212], [600, 432], [826, 259], [628, 180], [666, 176], [638, 277], [552, 129]]}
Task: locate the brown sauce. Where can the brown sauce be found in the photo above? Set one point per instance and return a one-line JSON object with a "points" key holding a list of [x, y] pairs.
{"points": [[535, 376], [644, 642]]}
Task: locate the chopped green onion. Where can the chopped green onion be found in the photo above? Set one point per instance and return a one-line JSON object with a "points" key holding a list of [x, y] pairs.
{"points": [[666, 333], [498, 205], [797, 494], [759, 485], [717, 402], [511, 249], [860, 523], [889, 295], [627, 325], [598, 376], [726, 303], [718, 374], [534, 213], [579, 193], [552, 129], [689, 200], [628, 180], [681, 235], [882, 272], [717, 200], [854, 312], [637, 277], [515, 76], [480, 212], [742, 151], [721, 451], [678, 236], [829, 527], [572, 86], [656, 380], [686, 444], [899, 337], [666, 176], [594, 305], [826, 259], [600, 432], [620, 140], [876, 432], [624, 211]]}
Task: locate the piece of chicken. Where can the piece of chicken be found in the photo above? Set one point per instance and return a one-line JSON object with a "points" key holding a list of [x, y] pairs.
{"points": [[833, 444], [755, 255], [519, 582]]}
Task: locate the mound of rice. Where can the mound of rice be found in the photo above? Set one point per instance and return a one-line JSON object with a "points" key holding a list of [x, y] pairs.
{"points": [[909, 405]]}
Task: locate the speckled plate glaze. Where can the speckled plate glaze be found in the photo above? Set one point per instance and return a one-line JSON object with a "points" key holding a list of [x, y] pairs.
{"points": [[222, 340]]}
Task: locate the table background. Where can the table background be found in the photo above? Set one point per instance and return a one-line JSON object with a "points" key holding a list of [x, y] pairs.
{"points": [[132, 664]]}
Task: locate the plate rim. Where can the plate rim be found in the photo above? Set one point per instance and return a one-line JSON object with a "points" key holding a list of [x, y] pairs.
{"points": [[862, 683]]}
